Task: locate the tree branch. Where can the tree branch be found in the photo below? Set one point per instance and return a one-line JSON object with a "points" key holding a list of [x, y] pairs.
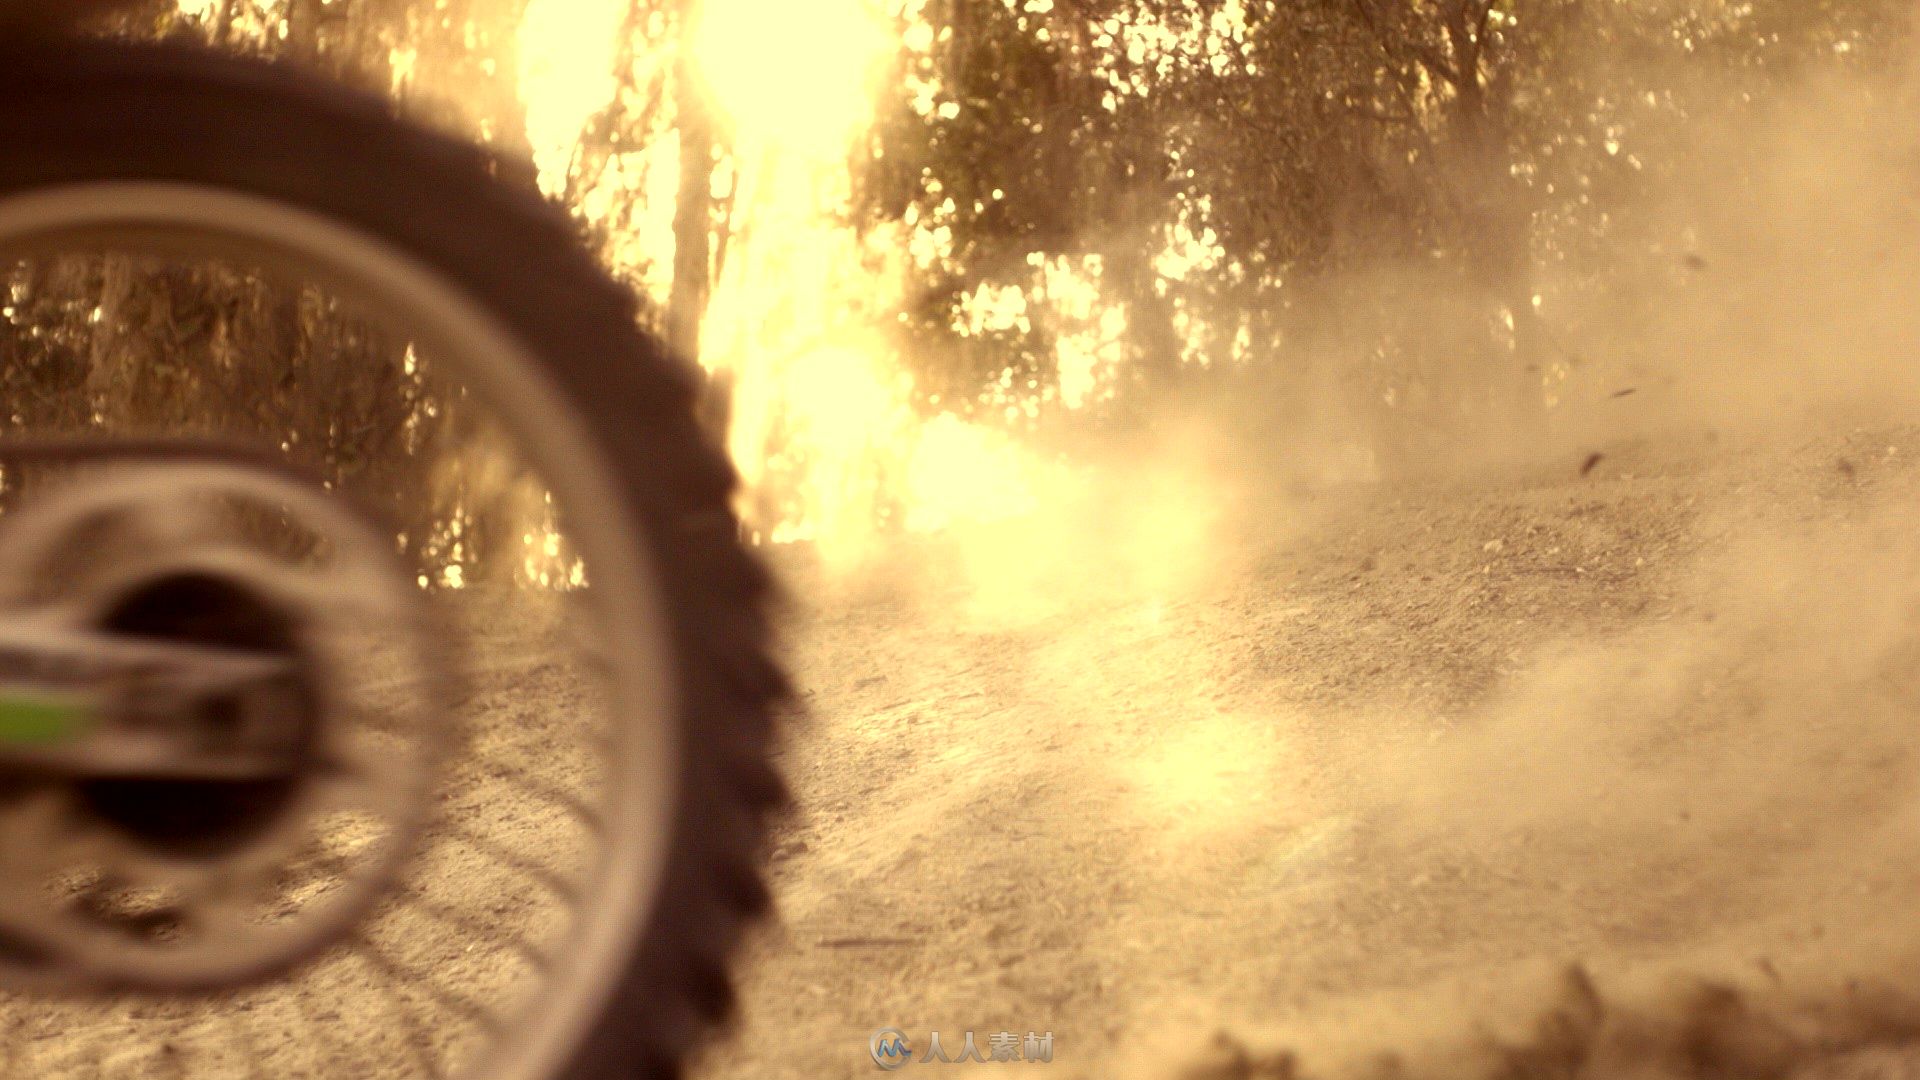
{"points": [[1427, 56]]}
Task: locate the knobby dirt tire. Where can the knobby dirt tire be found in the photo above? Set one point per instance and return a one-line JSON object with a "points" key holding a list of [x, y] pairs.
{"points": [[94, 110]]}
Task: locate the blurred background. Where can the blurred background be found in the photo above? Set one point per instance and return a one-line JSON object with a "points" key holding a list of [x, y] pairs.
{"points": [[935, 253]]}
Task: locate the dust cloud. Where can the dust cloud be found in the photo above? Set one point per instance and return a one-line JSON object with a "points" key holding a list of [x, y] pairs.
{"points": [[1590, 756], [1745, 746], [1777, 281], [1726, 787], [1104, 526], [1744, 750]]}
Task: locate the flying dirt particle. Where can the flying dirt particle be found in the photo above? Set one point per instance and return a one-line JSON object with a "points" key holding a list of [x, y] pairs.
{"points": [[1227, 1058], [1628, 392], [1369, 564], [1722, 1033], [1846, 468], [1693, 261], [1593, 459]]}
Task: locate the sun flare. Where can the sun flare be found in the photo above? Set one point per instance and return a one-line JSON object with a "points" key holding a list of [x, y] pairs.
{"points": [[797, 75], [567, 54], [827, 428]]}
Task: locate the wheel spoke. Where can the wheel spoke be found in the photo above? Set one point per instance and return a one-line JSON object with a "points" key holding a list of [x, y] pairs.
{"points": [[473, 1011], [580, 808], [465, 923], [389, 980], [513, 860]]}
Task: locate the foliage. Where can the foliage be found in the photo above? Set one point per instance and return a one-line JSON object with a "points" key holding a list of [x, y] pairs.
{"points": [[1093, 204], [1328, 165]]}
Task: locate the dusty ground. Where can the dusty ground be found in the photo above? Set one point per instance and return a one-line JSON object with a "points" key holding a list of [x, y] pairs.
{"points": [[1421, 748], [1351, 771]]}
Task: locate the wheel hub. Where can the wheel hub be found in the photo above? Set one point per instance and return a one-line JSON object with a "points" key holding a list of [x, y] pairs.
{"points": [[179, 728], [241, 741]]}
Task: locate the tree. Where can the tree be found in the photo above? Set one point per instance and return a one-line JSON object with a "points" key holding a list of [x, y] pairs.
{"points": [[1371, 194]]}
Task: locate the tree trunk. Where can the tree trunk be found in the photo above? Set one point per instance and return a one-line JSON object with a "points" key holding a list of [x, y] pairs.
{"points": [[1157, 346], [693, 235], [303, 29], [692, 218], [1499, 261]]}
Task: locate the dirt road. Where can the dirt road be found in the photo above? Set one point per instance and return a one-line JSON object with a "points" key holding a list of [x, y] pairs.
{"points": [[1344, 773], [1418, 748]]}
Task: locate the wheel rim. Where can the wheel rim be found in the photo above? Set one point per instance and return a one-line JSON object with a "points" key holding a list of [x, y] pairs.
{"points": [[196, 221], [375, 585]]}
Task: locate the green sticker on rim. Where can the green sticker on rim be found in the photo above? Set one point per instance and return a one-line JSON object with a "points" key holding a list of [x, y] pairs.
{"points": [[35, 718]]}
